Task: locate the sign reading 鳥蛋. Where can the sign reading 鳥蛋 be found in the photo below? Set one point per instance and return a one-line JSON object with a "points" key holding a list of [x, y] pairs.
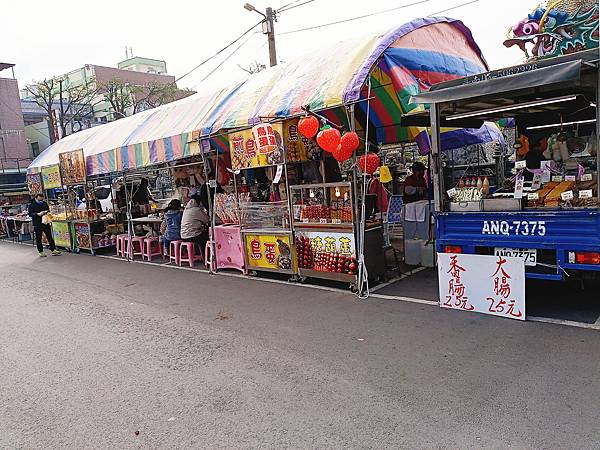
{"points": [[269, 252], [487, 284]]}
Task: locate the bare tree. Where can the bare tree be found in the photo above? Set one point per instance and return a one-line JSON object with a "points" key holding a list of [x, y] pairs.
{"points": [[253, 68], [119, 95], [124, 97], [73, 102]]}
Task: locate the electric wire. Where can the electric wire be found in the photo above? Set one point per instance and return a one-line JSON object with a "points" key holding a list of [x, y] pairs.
{"points": [[220, 51], [364, 16], [293, 5], [350, 19], [233, 52]]}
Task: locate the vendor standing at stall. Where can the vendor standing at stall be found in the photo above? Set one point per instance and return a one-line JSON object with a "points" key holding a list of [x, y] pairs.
{"points": [[38, 208], [533, 159], [195, 222], [415, 185], [142, 195]]}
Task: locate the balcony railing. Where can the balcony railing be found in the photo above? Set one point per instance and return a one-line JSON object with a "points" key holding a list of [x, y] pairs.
{"points": [[14, 165]]}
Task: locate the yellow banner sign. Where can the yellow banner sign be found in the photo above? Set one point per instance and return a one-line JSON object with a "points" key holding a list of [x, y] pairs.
{"points": [[272, 252], [297, 147], [245, 154], [62, 234], [72, 167], [51, 177]]}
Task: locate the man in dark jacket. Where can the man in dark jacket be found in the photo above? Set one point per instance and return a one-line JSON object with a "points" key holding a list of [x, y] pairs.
{"points": [[37, 209]]}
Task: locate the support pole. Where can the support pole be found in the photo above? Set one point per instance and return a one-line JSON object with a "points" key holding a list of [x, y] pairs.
{"points": [[437, 176], [210, 207], [598, 125], [363, 275]]}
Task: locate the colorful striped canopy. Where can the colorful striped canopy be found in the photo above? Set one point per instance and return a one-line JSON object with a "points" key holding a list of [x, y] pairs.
{"points": [[399, 63]]}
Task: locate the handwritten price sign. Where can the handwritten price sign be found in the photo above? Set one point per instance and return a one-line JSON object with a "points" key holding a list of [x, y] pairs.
{"points": [[487, 284]]}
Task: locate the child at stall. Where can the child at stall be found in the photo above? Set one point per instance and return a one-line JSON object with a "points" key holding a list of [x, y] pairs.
{"points": [[171, 226]]}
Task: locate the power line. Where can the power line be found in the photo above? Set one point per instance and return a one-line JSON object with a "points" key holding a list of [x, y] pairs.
{"points": [[355, 18], [220, 51], [293, 5], [453, 7], [378, 13], [281, 8], [233, 52]]}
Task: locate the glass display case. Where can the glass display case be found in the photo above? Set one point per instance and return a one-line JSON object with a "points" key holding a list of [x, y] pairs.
{"points": [[323, 205]]}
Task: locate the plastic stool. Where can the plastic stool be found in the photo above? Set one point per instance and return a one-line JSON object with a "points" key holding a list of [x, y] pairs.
{"points": [[189, 256], [139, 240], [208, 256], [174, 251], [152, 248], [122, 243]]}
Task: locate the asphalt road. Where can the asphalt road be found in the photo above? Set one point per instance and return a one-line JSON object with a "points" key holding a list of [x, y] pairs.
{"points": [[97, 353]]}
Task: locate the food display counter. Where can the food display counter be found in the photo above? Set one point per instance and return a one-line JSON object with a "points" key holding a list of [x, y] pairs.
{"points": [[325, 233]]}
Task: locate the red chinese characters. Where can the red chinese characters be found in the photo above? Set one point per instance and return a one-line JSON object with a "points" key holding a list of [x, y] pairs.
{"points": [[250, 148], [238, 145], [264, 136], [292, 133], [255, 251], [270, 252], [502, 303], [456, 297]]}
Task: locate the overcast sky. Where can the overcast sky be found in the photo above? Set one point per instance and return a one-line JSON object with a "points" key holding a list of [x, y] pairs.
{"points": [[50, 38]]}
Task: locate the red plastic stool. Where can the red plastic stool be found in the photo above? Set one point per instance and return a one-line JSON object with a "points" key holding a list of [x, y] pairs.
{"points": [[139, 240], [152, 248], [174, 251], [189, 256], [122, 244]]}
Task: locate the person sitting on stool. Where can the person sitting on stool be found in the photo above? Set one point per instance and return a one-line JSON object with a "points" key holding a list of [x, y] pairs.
{"points": [[195, 222]]}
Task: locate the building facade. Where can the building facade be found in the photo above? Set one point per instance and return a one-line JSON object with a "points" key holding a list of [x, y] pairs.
{"points": [[134, 71], [14, 154]]}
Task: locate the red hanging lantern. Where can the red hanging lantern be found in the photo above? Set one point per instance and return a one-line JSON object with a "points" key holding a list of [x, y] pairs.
{"points": [[308, 126], [349, 142], [328, 138], [369, 163]]}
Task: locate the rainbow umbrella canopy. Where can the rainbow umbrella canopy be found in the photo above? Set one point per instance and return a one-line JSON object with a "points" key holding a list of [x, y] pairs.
{"points": [[397, 64]]}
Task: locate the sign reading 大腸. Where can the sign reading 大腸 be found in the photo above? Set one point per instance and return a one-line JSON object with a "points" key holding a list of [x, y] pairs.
{"points": [[480, 283]]}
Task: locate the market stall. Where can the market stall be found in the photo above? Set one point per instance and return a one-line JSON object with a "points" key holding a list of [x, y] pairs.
{"points": [[358, 87], [537, 201]]}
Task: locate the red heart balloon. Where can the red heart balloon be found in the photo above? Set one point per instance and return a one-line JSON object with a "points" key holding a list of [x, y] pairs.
{"points": [[308, 126], [349, 142], [369, 163], [328, 138]]}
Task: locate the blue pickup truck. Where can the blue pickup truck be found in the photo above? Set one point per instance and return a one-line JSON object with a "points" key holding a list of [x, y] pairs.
{"points": [[551, 242], [553, 103]]}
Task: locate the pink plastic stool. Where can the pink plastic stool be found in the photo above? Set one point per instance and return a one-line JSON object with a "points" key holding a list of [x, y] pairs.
{"points": [[122, 243], [174, 251], [189, 256], [208, 256], [139, 240], [152, 248]]}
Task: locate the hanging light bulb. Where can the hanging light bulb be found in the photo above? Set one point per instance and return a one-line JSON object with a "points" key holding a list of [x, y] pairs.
{"points": [[311, 193], [337, 192]]}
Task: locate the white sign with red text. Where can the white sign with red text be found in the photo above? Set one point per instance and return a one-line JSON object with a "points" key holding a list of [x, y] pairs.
{"points": [[487, 284]]}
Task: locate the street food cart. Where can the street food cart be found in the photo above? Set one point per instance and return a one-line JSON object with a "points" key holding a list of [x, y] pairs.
{"points": [[539, 200]]}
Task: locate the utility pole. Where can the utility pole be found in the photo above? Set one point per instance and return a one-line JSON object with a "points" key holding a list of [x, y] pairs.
{"points": [[268, 28], [60, 99], [270, 32]]}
